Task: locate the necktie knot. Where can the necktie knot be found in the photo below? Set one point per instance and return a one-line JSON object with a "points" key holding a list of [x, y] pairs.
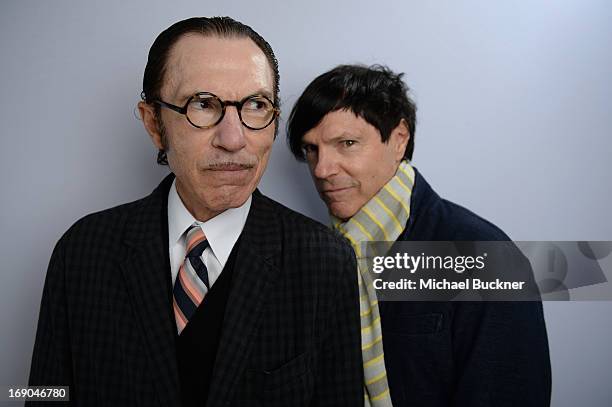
{"points": [[196, 241], [198, 249]]}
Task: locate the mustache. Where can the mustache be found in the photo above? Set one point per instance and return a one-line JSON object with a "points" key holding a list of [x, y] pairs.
{"points": [[236, 164]]}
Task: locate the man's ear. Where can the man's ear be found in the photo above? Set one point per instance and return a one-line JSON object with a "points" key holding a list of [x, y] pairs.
{"points": [[151, 124], [399, 138]]}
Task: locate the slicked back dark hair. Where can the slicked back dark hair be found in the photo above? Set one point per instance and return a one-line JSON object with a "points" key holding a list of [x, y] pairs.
{"points": [[375, 93], [221, 27]]}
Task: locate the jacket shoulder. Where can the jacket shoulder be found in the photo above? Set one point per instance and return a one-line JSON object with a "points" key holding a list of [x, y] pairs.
{"points": [[295, 221], [110, 218], [434, 218], [97, 232], [305, 234], [464, 224]]}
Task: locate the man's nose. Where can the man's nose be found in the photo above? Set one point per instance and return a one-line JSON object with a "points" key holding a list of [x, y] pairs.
{"points": [[326, 164], [229, 133]]}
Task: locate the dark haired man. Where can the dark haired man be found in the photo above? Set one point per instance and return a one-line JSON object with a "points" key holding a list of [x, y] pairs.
{"points": [[204, 292], [355, 127]]}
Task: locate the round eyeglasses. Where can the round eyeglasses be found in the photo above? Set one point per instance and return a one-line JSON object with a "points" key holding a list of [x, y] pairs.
{"points": [[205, 110]]}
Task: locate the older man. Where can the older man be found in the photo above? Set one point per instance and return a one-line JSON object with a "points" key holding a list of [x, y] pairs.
{"points": [[204, 292], [355, 126]]}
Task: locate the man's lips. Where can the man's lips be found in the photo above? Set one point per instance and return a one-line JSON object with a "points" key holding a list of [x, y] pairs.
{"points": [[332, 190], [336, 193]]}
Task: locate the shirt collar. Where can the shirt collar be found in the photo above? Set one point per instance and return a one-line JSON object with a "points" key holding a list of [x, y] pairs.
{"points": [[222, 231]]}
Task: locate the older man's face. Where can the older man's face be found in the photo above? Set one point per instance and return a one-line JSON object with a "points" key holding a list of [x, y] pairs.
{"points": [[216, 168], [348, 161]]}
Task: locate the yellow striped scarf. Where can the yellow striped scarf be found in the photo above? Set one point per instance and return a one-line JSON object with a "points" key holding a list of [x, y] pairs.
{"points": [[382, 218]]}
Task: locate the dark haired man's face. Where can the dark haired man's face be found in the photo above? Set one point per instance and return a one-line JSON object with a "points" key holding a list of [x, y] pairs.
{"points": [[216, 168], [348, 161]]}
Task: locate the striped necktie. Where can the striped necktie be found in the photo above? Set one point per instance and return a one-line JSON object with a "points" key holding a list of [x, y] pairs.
{"points": [[191, 284]]}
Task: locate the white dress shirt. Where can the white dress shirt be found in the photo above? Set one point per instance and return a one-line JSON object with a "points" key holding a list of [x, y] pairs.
{"points": [[222, 232]]}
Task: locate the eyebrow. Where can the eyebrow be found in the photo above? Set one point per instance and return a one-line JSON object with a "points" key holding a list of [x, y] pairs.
{"points": [[342, 136], [186, 95], [266, 93]]}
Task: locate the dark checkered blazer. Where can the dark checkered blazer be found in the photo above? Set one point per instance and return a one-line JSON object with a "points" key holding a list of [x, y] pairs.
{"points": [[291, 332]]}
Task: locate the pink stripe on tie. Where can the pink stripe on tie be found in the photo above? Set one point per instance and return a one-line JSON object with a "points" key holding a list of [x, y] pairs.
{"points": [[192, 291], [197, 237], [181, 321]]}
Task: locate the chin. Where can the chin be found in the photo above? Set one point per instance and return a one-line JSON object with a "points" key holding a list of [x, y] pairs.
{"points": [[229, 198], [341, 212]]}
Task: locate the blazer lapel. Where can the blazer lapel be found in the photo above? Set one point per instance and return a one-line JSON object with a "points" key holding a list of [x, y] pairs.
{"points": [[146, 271], [254, 273]]}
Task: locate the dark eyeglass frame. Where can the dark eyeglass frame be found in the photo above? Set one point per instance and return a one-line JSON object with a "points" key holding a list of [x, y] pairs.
{"points": [[224, 103]]}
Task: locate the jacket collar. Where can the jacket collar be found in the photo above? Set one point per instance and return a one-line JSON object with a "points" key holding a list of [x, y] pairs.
{"points": [[424, 199]]}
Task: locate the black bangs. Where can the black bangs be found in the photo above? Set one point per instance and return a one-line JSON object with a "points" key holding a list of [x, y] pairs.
{"points": [[374, 93]]}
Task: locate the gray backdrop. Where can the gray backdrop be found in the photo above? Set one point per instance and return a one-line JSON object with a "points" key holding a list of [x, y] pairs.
{"points": [[514, 122]]}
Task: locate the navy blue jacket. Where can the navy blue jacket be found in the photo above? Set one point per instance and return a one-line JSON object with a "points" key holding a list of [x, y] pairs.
{"points": [[462, 353]]}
